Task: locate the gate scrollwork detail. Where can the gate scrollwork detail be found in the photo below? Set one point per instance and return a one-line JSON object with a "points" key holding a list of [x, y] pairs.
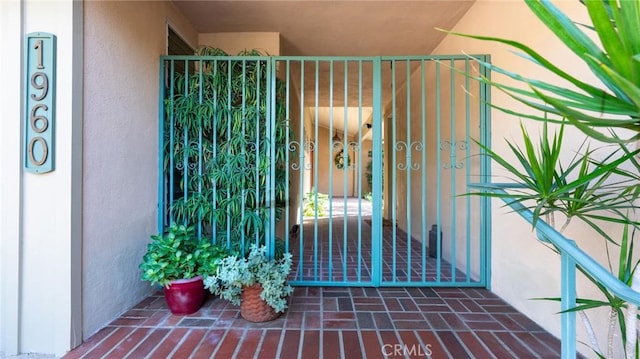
{"points": [[302, 149], [453, 146], [409, 148]]}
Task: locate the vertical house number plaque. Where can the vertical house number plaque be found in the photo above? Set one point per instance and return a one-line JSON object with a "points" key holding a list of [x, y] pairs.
{"points": [[40, 91]]}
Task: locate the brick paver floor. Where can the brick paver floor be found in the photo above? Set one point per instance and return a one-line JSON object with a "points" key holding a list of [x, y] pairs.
{"points": [[332, 323]]}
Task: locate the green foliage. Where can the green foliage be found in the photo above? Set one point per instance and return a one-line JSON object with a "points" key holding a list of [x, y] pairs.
{"points": [[342, 159], [219, 149], [178, 254], [207, 257], [234, 273], [597, 110], [315, 203], [369, 173], [592, 109], [626, 268], [586, 188]]}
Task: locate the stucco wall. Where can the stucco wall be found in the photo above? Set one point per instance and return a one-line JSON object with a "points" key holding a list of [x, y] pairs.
{"points": [[331, 179], [431, 157], [523, 268], [233, 43], [294, 112], [41, 213], [123, 42]]}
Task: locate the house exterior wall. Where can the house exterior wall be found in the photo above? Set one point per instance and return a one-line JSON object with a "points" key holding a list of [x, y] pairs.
{"points": [[296, 114], [268, 43], [342, 180], [123, 43], [10, 177], [79, 233], [523, 268], [40, 233], [435, 111], [75, 236]]}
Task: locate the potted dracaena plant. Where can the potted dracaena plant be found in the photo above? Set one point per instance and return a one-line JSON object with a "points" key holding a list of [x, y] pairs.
{"points": [[255, 282], [177, 260]]}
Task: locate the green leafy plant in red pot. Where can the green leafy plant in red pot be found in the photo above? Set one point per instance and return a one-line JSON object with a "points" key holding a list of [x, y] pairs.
{"points": [[177, 260]]}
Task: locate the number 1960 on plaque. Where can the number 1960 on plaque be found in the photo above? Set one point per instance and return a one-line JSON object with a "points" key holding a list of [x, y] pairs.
{"points": [[40, 70]]}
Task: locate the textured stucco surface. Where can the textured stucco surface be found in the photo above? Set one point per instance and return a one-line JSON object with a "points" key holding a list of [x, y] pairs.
{"points": [[268, 43], [123, 42], [523, 268]]}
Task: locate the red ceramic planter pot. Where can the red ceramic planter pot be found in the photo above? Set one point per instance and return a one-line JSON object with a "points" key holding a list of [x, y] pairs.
{"points": [[185, 296]]}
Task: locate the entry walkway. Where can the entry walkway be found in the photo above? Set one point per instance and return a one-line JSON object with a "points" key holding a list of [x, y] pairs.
{"points": [[350, 260], [349, 323], [338, 249]]}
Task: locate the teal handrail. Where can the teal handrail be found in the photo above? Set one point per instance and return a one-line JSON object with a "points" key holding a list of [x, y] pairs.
{"points": [[571, 256]]}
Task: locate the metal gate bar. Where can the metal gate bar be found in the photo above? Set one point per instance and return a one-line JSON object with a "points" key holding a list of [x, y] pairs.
{"points": [[309, 144], [217, 122], [418, 115], [446, 97], [433, 110]]}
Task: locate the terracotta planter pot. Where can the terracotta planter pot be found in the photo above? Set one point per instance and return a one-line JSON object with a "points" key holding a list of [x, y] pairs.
{"points": [[185, 296], [253, 308]]}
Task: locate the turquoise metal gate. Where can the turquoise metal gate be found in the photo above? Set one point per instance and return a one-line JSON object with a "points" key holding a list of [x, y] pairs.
{"points": [[354, 165], [432, 235]]}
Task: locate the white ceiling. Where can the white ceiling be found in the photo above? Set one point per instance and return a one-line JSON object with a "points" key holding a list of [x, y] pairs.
{"points": [[334, 28]]}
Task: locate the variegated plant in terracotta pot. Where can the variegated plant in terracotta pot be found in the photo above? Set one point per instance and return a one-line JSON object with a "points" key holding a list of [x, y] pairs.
{"points": [[256, 283]]}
